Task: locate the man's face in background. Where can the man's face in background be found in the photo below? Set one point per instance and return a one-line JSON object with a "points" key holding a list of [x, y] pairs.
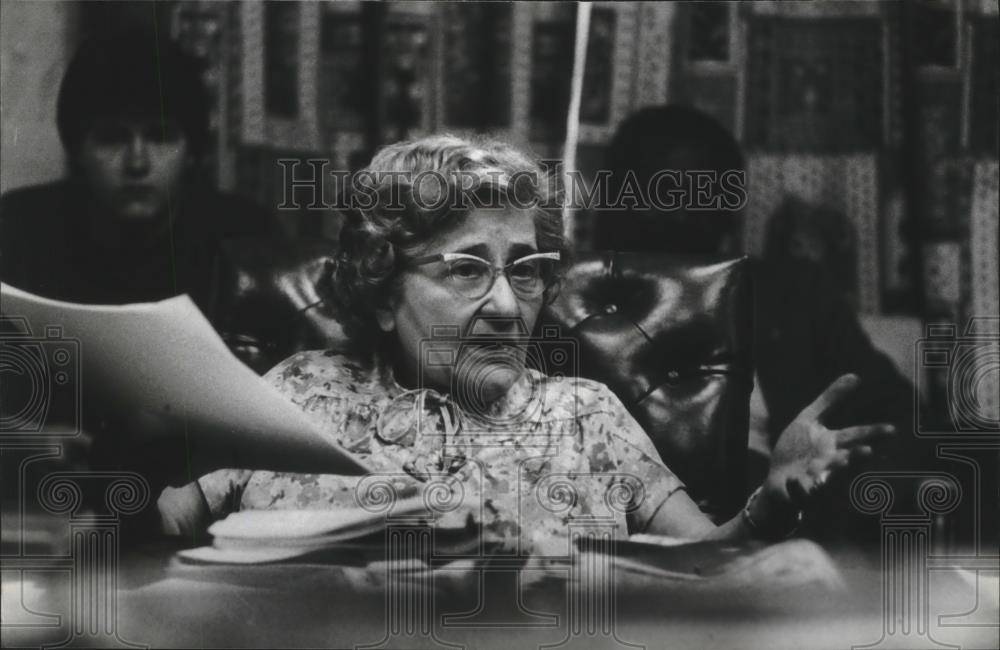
{"points": [[133, 166]]}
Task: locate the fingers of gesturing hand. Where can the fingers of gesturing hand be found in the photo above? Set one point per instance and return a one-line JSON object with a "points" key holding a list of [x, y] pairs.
{"points": [[851, 436], [819, 470], [821, 466], [802, 486], [836, 391], [839, 460]]}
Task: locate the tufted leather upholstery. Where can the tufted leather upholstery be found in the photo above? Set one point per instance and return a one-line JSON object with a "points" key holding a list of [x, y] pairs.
{"points": [[267, 304], [671, 337]]}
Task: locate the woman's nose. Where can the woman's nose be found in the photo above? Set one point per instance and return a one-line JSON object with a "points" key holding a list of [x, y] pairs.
{"points": [[501, 300], [137, 156]]}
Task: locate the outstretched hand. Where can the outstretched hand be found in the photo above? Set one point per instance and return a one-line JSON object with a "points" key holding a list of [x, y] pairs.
{"points": [[807, 452]]}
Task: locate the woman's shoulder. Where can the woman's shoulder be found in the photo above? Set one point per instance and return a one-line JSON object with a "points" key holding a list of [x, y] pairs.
{"points": [[325, 368], [586, 396]]}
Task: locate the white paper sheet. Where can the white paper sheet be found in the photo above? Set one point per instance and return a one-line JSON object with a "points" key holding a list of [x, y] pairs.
{"points": [[161, 368]]}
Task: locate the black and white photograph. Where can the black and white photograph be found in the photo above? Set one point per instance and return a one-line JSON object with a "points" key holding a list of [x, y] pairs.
{"points": [[483, 324]]}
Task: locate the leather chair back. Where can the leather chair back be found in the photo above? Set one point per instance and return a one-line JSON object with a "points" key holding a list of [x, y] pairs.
{"points": [[268, 300], [670, 336]]}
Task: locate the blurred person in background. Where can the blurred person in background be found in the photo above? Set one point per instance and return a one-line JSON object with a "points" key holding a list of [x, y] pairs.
{"points": [[801, 231], [806, 332], [134, 221]]}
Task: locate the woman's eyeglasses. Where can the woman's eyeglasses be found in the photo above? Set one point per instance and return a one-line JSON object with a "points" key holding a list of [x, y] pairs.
{"points": [[473, 277]]}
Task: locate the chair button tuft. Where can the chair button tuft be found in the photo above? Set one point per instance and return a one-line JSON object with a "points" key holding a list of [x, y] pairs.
{"points": [[611, 309], [673, 376]]}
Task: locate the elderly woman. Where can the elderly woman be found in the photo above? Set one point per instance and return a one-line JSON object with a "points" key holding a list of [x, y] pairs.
{"points": [[451, 251]]}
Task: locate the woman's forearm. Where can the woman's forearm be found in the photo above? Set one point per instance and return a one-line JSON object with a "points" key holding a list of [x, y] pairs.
{"points": [[767, 516], [735, 530]]}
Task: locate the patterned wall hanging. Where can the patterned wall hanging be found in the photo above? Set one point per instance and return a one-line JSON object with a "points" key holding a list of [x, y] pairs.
{"points": [[811, 85], [551, 64], [199, 28], [845, 185], [815, 9], [985, 245], [653, 53], [279, 74], [984, 77], [340, 78], [943, 280], [476, 61], [795, 80], [408, 75], [710, 40], [985, 220], [608, 76]]}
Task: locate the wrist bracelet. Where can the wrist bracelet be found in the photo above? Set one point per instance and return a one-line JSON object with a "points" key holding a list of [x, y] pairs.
{"points": [[763, 531]]}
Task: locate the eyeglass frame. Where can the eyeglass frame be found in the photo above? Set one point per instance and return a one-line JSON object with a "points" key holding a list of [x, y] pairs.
{"points": [[494, 269]]}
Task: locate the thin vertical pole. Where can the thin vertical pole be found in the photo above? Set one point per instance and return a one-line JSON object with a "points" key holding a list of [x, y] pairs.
{"points": [[573, 117]]}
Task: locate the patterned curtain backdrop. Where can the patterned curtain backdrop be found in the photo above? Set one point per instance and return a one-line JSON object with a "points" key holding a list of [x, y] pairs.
{"points": [[820, 187], [876, 124]]}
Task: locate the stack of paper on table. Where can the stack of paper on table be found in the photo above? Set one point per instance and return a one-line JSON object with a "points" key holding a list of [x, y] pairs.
{"points": [[717, 564], [264, 536]]}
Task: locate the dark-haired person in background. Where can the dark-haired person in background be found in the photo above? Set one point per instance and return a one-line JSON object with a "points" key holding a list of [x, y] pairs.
{"points": [[134, 221], [805, 333]]}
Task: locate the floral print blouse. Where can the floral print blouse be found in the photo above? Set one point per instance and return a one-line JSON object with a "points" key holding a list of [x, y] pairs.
{"points": [[552, 456]]}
